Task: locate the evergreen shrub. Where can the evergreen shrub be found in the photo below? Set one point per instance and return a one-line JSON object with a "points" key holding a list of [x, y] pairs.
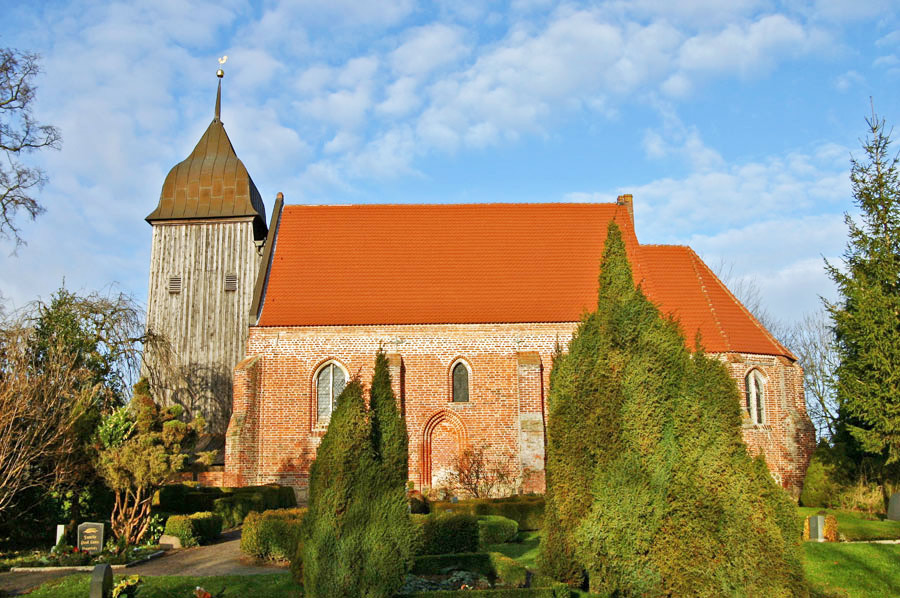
{"points": [[526, 510], [357, 538], [446, 533], [494, 529], [182, 528], [560, 591], [650, 488], [273, 534], [194, 529]]}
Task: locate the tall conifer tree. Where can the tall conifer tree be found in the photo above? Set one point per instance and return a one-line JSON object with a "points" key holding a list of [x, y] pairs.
{"points": [[671, 502], [867, 316], [357, 537]]}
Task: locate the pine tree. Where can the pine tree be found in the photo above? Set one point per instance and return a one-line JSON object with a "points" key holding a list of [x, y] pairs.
{"points": [[670, 501], [389, 437], [866, 319]]}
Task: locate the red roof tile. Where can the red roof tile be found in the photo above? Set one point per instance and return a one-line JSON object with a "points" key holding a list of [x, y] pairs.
{"points": [[480, 263]]}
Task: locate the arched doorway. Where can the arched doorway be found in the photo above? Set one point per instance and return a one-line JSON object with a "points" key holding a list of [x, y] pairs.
{"points": [[445, 437]]}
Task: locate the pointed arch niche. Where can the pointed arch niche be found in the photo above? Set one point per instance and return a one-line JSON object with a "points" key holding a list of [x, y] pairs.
{"points": [[444, 437]]}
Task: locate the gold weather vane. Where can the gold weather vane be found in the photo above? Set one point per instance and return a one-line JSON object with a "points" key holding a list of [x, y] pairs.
{"points": [[220, 73]]}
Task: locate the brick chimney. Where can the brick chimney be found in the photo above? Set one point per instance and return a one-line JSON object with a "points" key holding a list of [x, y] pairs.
{"points": [[625, 200]]}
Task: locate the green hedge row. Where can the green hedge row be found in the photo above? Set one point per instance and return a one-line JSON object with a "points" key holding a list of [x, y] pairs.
{"points": [[232, 504], [446, 533], [273, 534], [526, 510], [493, 565], [558, 591], [197, 528]]}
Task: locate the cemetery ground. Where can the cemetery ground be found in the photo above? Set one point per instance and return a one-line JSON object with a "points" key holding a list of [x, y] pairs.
{"points": [[855, 569]]}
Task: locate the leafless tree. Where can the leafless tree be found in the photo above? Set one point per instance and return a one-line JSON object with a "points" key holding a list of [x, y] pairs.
{"points": [[41, 409], [812, 339], [482, 475], [20, 134]]}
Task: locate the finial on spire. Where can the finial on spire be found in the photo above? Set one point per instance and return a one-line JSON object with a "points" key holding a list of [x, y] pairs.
{"points": [[220, 73]]}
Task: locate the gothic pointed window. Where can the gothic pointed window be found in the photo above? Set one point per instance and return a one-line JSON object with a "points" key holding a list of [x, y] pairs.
{"points": [[460, 375], [330, 381], [754, 395]]}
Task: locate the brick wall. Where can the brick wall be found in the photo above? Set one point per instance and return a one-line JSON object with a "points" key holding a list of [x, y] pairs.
{"points": [[273, 434]]}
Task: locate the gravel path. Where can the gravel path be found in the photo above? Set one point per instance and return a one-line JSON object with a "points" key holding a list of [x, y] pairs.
{"points": [[222, 558]]}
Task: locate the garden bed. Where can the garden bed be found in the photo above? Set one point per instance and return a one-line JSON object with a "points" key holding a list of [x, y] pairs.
{"points": [[43, 562]]}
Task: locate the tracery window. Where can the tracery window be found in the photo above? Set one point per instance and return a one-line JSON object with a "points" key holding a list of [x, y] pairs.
{"points": [[460, 376], [755, 392], [330, 381]]}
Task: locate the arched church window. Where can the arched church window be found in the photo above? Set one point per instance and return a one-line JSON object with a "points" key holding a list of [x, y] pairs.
{"points": [[754, 394], [460, 375], [330, 381]]}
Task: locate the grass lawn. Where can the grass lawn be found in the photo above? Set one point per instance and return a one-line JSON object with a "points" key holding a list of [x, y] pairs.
{"points": [[852, 525], [279, 585], [854, 570], [525, 550]]}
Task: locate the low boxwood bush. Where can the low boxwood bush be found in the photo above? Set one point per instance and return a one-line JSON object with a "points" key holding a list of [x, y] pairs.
{"points": [[273, 534], [233, 503], [445, 533], [197, 528], [494, 529], [526, 510], [493, 565]]}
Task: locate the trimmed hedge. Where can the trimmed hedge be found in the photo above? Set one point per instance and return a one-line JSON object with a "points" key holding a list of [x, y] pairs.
{"points": [[273, 534], [526, 510], [493, 565], [494, 529], [446, 533], [232, 504], [197, 528], [558, 591]]}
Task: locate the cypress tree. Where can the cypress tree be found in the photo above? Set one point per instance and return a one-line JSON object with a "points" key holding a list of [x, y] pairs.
{"points": [[357, 537], [332, 550], [674, 503], [866, 316], [390, 535]]}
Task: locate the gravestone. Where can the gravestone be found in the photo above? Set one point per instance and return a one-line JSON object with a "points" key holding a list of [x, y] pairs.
{"points": [[101, 581], [817, 528], [90, 538], [894, 507], [60, 532]]}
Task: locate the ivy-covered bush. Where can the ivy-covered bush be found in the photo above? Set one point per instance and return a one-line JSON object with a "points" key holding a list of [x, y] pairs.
{"points": [[273, 534], [494, 529], [446, 533]]}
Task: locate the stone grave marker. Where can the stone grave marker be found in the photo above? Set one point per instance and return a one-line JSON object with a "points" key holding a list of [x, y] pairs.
{"points": [[817, 528], [101, 581], [60, 532], [90, 537], [894, 507]]}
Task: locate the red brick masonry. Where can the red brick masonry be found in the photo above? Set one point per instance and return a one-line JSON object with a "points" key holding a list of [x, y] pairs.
{"points": [[273, 434]]}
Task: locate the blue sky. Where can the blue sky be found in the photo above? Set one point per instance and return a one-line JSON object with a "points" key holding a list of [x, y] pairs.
{"points": [[731, 123]]}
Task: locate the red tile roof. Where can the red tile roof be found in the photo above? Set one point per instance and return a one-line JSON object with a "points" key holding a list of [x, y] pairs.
{"points": [[482, 263]]}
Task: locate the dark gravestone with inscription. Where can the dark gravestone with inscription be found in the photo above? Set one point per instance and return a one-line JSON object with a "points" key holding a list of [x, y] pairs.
{"points": [[90, 538], [101, 582]]}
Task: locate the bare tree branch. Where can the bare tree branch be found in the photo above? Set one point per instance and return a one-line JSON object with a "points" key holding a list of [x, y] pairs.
{"points": [[20, 134]]}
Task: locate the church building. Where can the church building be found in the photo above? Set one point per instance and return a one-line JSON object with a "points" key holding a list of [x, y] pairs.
{"points": [[469, 301]]}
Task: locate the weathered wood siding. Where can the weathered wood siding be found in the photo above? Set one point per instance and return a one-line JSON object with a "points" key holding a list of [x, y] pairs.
{"points": [[205, 324]]}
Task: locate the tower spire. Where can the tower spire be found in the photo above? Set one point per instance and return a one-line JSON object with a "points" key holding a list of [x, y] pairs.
{"points": [[220, 73]]}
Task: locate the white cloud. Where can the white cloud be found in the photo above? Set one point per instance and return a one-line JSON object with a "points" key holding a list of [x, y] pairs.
{"points": [[428, 48], [403, 97], [849, 80]]}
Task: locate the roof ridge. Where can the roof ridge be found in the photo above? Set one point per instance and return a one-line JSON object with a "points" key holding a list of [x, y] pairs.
{"points": [[787, 352], [474, 203]]}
